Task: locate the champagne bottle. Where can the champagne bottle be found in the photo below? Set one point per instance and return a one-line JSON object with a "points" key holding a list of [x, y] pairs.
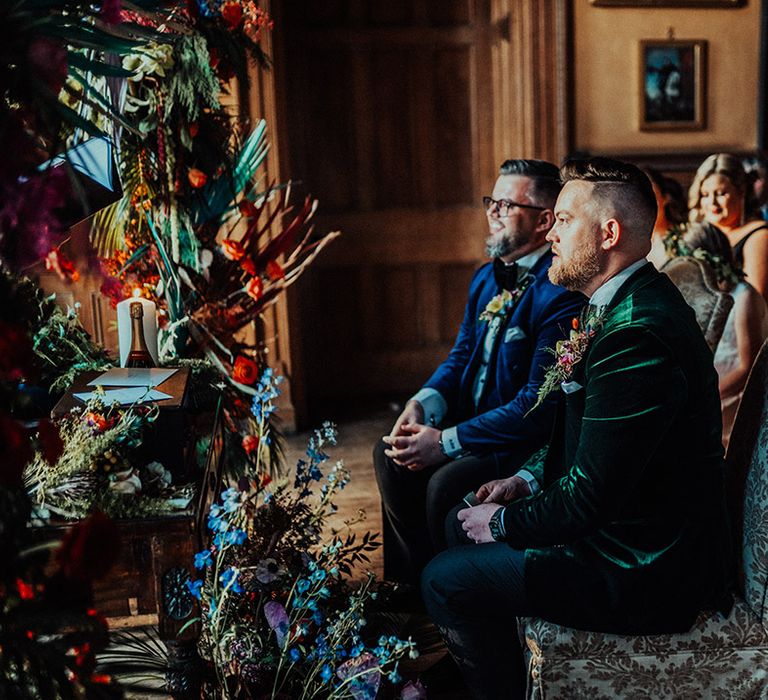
{"points": [[139, 355]]}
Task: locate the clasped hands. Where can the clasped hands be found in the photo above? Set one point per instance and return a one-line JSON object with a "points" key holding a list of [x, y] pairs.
{"points": [[412, 444]]}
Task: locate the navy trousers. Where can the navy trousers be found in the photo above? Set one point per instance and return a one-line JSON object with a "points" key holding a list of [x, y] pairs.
{"points": [[473, 593]]}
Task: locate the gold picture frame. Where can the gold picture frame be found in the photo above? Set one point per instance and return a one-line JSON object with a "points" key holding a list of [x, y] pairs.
{"points": [[672, 85]]}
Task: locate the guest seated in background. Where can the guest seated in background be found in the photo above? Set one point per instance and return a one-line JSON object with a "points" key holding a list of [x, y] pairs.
{"points": [[466, 425], [721, 195], [625, 528], [747, 324], [672, 211], [756, 169]]}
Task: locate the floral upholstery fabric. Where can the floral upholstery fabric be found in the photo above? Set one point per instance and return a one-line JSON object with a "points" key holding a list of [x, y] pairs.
{"points": [[698, 285], [719, 658]]}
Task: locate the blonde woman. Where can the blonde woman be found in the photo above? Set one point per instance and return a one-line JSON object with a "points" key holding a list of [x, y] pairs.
{"points": [[718, 195]]}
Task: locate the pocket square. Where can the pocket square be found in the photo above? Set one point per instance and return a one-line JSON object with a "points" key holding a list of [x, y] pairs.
{"points": [[570, 387], [515, 333]]}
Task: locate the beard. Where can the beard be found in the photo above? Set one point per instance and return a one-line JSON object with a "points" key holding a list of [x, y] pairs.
{"points": [[576, 273], [503, 243]]}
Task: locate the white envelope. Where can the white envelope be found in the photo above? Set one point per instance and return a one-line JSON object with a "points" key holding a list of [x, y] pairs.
{"points": [[125, 397]]}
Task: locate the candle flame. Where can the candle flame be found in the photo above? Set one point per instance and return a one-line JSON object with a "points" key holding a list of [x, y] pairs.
{"points": [[136, 293]]}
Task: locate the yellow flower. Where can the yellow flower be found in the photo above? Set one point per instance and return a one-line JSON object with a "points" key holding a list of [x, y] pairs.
{"points": [[494, 305]]}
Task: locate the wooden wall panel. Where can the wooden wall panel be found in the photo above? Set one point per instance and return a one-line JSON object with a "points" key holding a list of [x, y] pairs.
{"points": [[398, 113]]}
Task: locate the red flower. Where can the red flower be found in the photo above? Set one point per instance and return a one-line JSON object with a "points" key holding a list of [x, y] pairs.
{"points": [[17, 450], [254, 288], [26, 592], [232, 249], [247, 207], [96, 421], [245, 370], [197, 178], [59, 263], [248, 266], [275, 270], [88, 549], [250, 443], [232, 14], [193, 129]]}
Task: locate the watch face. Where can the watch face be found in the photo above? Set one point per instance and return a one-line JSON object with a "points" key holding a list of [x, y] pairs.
{"points": [[494, 524]]}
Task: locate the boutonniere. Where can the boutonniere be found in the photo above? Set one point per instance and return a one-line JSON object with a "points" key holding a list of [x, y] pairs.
{"points": [[569, 352], [502, 304]]}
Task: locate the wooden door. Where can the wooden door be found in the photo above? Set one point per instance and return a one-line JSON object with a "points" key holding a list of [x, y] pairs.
{"points": [[390, 114]]}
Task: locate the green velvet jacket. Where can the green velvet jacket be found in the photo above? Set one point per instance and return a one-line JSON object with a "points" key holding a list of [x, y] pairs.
{"points": [[629, 533]]}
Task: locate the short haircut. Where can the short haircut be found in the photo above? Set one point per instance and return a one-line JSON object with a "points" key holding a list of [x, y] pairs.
{"points": [[723, 164], [623, 187], [544, 176]]}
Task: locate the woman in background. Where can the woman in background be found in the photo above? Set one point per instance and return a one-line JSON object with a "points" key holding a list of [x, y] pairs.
{"points": [[747, 325], [719, 195], [671, 212]]}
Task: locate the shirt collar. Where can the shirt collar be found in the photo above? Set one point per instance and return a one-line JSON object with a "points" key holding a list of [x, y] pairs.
{"points": [[527, 262], [605, 293]]}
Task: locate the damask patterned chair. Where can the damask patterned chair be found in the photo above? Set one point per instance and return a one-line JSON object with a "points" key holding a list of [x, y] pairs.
{"points": [[697, 283], [720, 658]]}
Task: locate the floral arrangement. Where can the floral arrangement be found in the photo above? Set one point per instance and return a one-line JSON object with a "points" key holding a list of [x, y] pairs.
{"points": [[278, 618], [569, 352], [502, 304], [97, 468]]}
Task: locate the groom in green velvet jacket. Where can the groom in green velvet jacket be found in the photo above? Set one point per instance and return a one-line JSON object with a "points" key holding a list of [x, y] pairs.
{"points": [[626, 529]]}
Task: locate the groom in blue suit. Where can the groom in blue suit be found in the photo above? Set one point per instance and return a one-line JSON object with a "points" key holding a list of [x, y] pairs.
{"points": [[466, 425]]}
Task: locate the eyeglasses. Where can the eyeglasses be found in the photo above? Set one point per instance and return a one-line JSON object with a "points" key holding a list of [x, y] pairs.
{"points": [[503, 206]]}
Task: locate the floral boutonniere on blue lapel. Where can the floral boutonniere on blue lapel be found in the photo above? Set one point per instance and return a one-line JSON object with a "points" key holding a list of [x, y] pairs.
{"points": [[570, 351], [501, 305]]}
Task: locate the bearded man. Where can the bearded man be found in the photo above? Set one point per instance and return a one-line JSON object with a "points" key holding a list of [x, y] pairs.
{"points": [[466, 425], [624, 528]]}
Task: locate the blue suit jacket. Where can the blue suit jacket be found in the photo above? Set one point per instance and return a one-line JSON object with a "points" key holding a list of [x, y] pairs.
{"points": [[542, 316]]}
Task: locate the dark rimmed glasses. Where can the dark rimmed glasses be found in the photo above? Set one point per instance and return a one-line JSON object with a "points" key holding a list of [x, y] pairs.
{"points": [[502, 207]]}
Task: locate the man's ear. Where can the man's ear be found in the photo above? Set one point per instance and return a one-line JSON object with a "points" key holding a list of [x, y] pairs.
{"points": [[545, 221], [611, 232]]}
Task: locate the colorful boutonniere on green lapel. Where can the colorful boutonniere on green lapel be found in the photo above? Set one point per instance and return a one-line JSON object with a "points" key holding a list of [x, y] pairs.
{"points": [[570, 351], [500, 305]]}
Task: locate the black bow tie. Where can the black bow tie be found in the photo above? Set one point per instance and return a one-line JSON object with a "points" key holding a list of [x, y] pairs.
{"points": [[505, 275]]}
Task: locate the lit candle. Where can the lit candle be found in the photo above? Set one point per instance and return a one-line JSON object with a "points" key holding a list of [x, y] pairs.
{"points": [[124, 326]]}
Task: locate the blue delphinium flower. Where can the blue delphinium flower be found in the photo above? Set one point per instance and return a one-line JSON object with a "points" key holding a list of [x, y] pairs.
{"points": [[294, 654], [195, 587], [229, 579], [203, 559], [326, 673]]}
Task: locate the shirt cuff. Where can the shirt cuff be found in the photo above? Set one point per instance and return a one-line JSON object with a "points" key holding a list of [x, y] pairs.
{"points": [[433, 405], [529, 479], [451, 444]]}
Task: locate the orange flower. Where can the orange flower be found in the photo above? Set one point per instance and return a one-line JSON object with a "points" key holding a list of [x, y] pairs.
{"points": [[575, 324], [197, 178], [232, 249], [232, 14], [59, 263], [248, 266], [245, 370], [254, 288], [250, 443], [97, 421], [275, 270]]}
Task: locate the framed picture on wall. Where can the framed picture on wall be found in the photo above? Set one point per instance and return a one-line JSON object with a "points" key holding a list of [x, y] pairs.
{"points": [[672, 84]]}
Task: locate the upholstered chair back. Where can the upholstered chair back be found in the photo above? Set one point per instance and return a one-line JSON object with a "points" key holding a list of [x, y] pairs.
{"points": [[697, 283], [747, 487]]}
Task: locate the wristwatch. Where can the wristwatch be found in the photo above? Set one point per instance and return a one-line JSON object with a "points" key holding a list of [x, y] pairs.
{"points": [[496, 525]]}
